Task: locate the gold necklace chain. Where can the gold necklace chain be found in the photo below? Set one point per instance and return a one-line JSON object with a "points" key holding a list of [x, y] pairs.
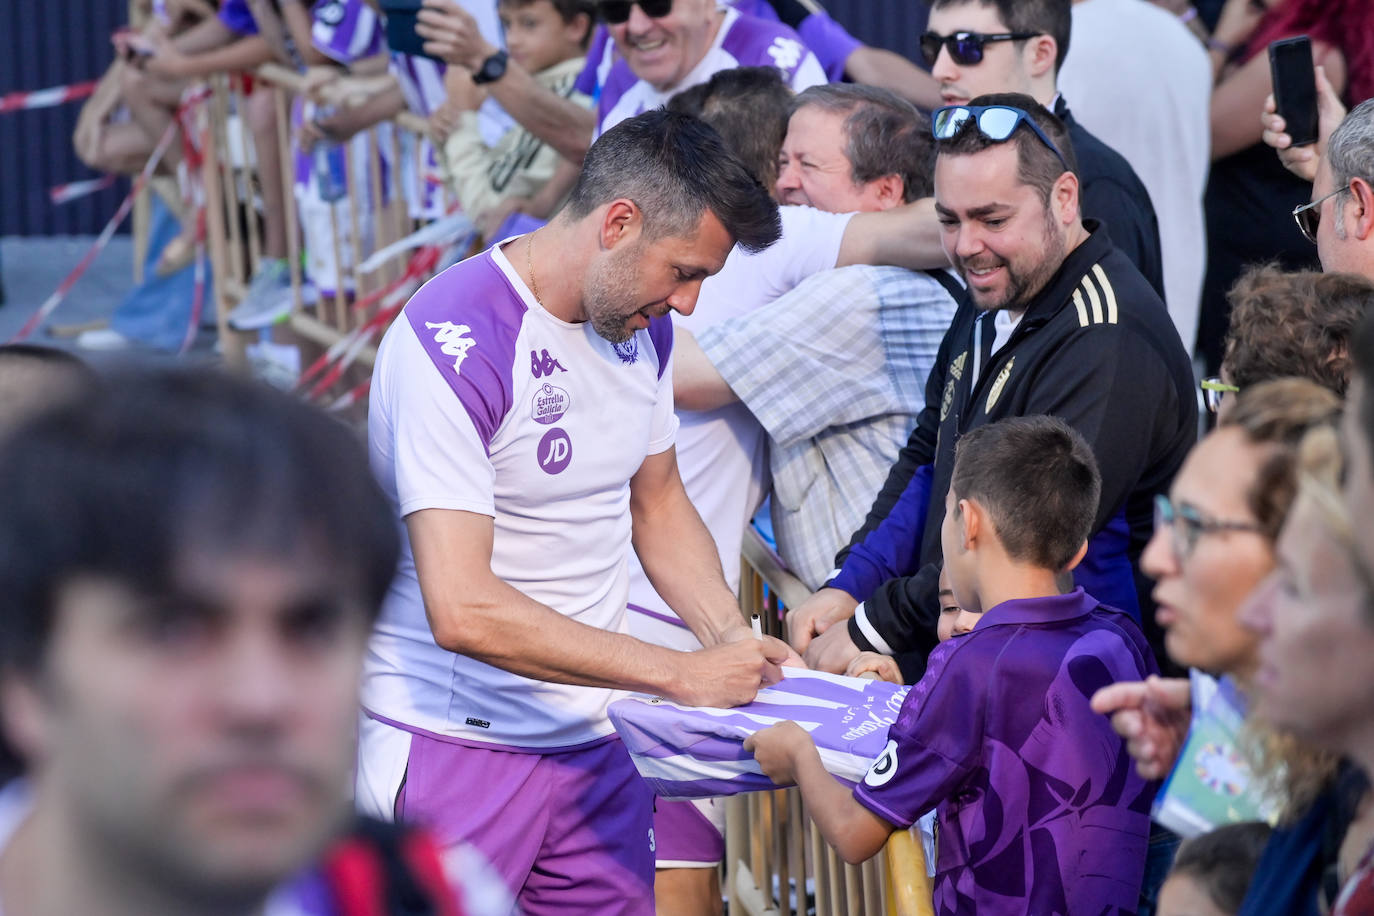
{"points": [[529, 266]]}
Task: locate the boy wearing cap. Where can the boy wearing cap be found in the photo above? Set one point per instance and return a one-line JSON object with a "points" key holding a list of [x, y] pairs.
{"points": [[1039, 809]]}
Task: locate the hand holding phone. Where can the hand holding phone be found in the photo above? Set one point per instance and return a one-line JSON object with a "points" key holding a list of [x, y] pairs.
{"points": [[1295, 87]]}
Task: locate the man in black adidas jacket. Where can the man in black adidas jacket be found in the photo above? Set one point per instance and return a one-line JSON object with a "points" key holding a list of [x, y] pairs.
{"points": [[1059, 322]]}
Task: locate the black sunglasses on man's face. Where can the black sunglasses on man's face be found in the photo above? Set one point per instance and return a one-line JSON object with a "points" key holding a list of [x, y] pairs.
{"points": [[615, 12], [966, 48]]}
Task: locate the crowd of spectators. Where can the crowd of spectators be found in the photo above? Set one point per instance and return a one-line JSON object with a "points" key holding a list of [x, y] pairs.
{"points": [[1043, 362]]}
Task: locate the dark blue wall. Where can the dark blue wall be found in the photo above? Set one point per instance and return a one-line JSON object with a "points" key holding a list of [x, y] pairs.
{"points": [[47, 43], [56, 42]]}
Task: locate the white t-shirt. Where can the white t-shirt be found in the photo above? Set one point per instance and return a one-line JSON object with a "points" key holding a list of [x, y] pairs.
{"points": [[484, 402], [741, 41], [1138, 79], [722, 454]]}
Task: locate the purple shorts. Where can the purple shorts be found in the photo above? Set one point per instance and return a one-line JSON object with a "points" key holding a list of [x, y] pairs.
{"points": [[687, 834], [570, 832]]}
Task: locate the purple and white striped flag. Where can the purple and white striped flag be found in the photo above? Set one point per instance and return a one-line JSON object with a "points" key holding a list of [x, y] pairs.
{"points": [[698, 752]]}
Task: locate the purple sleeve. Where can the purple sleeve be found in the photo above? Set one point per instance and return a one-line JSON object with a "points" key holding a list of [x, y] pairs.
{"points": [[661, 333], [467, 319], [760, 43], [936, 741], [587, 82], [830, 42], [238, 18]]}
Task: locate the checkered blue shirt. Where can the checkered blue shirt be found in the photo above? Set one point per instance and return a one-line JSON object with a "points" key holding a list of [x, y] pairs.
{"points": [[835, 370]]}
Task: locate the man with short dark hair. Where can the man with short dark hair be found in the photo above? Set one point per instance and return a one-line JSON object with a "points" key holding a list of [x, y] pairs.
{"points": [[191, 566], [1059, 323], [977, 47], [522, 422]]}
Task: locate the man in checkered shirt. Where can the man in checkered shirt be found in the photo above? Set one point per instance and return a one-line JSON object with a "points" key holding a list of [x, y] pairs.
{"points": [[835, 369]]}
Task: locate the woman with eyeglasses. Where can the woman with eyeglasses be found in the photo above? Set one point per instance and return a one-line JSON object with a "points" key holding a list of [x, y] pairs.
{"points": [[1250, 195], [1213, 547]]}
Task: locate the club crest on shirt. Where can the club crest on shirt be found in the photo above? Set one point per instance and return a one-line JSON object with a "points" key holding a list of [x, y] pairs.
{"points": [[999, 384], [884, 768], [453, 340], [549, 404], [628, 350]]}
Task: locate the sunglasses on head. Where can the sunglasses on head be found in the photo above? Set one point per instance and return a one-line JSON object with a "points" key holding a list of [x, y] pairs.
{"points": [[1309, 216], [996, 122], [965, 47], [614, 12]]}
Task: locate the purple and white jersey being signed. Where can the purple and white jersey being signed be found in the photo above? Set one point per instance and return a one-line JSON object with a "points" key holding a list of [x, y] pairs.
{"points": [[484, 402], [346, 30], [742, 41]]}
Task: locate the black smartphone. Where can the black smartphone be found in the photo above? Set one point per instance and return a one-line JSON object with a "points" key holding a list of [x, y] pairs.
{"points": [[400, 27], [1295, 87]]}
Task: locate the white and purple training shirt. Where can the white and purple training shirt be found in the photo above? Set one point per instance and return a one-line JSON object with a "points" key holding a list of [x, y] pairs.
{"points": [[741, 41], [484, 402]]}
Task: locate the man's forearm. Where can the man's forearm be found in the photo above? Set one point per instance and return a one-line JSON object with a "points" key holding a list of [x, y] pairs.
{"points": [[244, 54], [559, 122], [906, 236], [697, 384], [680, 559], [889, 70]]}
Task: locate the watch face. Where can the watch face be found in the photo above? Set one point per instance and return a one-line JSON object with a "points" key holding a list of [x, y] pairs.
{"points": [[493, 68]]}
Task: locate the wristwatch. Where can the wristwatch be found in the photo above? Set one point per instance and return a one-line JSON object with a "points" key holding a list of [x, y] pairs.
{"points": [[492, 69]]}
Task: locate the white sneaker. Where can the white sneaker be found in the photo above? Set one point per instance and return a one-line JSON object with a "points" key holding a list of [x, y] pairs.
{"points": [[267, 300], [279, 365], [103, 339]]}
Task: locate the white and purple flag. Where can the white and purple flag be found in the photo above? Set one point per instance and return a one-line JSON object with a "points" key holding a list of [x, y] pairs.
{"points": [[698, 752]]}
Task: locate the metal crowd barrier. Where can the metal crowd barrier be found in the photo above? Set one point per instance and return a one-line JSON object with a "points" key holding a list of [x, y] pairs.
{"points": [[776, 862]]}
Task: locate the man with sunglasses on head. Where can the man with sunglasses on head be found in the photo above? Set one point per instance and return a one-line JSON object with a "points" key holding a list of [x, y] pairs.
{"points": [[975, 47], [1059, 322]]}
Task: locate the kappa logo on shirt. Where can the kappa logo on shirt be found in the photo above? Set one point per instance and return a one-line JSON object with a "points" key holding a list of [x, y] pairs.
{"points": [[884, 768], [786, 53], [453, 340], [542, 364]]}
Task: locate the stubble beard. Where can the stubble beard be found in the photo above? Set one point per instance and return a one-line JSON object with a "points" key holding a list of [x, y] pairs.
{"points": [[605, 298]]}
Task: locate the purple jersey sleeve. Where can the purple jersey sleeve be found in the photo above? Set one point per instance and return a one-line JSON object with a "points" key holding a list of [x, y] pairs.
{"points": [[759, 43], [588, 82], [473, 348], [238, 18], [830, 42], [934, 744]]}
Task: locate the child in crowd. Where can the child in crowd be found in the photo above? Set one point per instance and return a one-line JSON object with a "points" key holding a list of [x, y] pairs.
{"points": [[1040, 810], [954, 621], [549, 39], [1211, 872]]}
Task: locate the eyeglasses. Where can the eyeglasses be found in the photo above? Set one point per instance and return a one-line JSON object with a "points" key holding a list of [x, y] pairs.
{"points": [[1187, 525], [966, 48], [614, 12], [1213, 390], [996, 122], [1309, 216]]}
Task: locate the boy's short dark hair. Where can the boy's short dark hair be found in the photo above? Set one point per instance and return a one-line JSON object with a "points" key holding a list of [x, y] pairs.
{"points": [[1223, 861], [749, 108], [1038, 481], [1046, 17], [129, 479], [33, 377], [1036, 163], [567, 9]]}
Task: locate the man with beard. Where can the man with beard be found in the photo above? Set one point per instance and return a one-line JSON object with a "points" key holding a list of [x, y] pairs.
{"points": [[1060, 322], [522, 422]]}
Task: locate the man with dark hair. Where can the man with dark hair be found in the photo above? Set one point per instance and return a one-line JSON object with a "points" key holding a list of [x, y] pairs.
{"points": [[522, 423], [976, 47], [1060, 323], [33, 377], [749, 108], [191, 566]]}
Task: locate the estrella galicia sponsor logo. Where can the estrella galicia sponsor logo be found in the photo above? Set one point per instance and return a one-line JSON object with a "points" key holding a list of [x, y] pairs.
{"points": [[549, 405], [554, 452], [542, 364], [884, 768], [478, 723], [453, 340], [627, 350]]}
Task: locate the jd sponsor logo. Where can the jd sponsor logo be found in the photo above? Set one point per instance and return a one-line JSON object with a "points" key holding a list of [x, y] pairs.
{"points": [[554, 452], [542, 364], [549, 404]]}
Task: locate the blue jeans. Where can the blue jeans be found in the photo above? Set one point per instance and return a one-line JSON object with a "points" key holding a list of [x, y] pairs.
{"points": [[1159, 858]]}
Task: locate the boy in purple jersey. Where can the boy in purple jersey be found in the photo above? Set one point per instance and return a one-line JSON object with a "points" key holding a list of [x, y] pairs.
{"points": [[1040, 810]]}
